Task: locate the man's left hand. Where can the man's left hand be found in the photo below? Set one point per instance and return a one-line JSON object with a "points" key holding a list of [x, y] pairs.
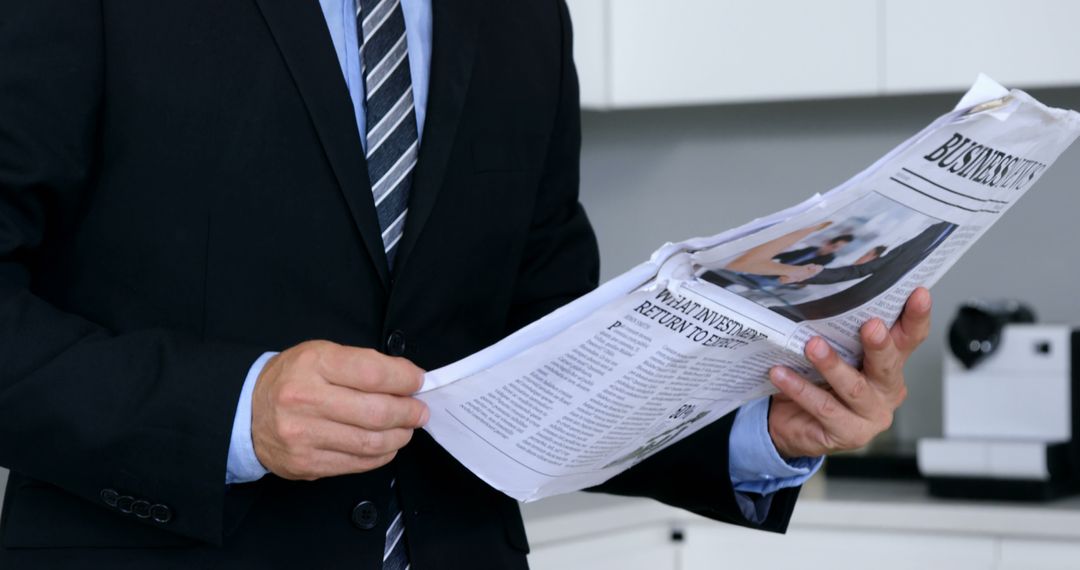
{"points": [[806, 420]]}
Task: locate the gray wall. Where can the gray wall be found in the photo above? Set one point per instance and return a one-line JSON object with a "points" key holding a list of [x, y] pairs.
{"points": [[656, 175]]}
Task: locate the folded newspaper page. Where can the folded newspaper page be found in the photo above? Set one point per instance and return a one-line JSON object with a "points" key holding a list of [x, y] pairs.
{"points": [[679, 341]]}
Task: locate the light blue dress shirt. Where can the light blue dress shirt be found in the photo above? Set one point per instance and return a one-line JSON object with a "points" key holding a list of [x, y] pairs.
{"points": [[755, 466]]}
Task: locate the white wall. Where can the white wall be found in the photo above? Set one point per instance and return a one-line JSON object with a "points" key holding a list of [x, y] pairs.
{"points": [[651, 176]]}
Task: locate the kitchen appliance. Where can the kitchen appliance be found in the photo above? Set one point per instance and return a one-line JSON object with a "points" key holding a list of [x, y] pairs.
{"points": [[1011, 408]]}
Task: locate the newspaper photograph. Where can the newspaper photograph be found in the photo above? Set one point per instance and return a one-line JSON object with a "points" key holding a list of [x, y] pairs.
{"points": [[688, 336]]}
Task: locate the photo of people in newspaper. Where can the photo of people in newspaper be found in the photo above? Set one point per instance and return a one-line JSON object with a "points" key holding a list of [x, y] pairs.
{"points": [[829, 268]]}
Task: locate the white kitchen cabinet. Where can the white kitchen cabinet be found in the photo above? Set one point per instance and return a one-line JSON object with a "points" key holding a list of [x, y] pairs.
{"points": [[837, 525], [685, 52], [700, 51], [711, 546], [638, 549], [938, 45], [637, 54], [590, 50]]}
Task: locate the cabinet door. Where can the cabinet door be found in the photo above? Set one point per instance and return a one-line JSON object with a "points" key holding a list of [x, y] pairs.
{"points": [[932, 45], [590, 50], [642, 549], [708, 51], [713, 546]]}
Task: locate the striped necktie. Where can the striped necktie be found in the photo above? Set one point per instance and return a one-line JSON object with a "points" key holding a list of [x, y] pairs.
{"points": [[392, 145], [395, 554], [392, 141]]}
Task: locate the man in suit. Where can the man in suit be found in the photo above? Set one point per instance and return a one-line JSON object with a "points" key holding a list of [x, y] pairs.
{"points": [[217, 223]]}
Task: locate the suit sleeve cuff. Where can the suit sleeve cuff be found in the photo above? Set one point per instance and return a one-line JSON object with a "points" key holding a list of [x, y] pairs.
{"points": [[243, 465], [755, 464]]}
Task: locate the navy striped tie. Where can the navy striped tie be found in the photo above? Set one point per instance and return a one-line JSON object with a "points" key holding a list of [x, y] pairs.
{"points": [[392, 146], [392, 140], [395, 554]]}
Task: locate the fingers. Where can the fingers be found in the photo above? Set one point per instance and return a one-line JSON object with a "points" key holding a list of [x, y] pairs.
{"points": [[320, 409], [883, 362], [373, 411], [331, 436], [831, 426], [914, 324], [863, 402], [369, 371], [848, 383], [310, 449], [816, 401]]}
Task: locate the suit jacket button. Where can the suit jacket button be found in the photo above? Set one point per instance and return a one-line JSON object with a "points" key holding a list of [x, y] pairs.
{"points": [[141, 509], [109, 497], [395, 343], [365, 515], [160, 514], [124, 503]]}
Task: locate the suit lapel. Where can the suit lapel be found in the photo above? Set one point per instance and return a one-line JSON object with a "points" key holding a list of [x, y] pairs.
{"points": [[454, 36], [300, 31]]}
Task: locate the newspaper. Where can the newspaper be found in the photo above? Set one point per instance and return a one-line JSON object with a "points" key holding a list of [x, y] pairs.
{"points": [[679, 341]]}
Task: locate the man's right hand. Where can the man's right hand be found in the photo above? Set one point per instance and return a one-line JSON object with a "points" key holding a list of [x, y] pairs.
{"points": [[320, 409]]}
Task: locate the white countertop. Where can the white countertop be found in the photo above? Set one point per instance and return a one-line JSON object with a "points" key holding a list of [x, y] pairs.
{"points": [[837, 503]]}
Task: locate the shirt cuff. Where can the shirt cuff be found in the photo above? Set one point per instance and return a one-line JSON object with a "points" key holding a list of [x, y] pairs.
{"points": [[754, 463], [243, 465]]}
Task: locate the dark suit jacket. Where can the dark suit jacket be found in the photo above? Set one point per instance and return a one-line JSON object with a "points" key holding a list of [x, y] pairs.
{"points": [[880, 273], [182, 187], [788, 257]]}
